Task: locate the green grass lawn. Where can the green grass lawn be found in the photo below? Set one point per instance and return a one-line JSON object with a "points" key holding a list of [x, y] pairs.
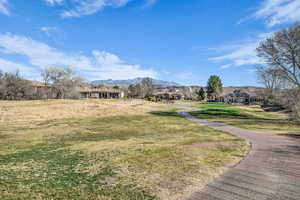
{"points": [[246, 117], [152, 155]]}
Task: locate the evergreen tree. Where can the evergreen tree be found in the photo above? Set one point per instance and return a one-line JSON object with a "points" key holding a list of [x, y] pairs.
{"points": [[214, 87], [201, 94]]}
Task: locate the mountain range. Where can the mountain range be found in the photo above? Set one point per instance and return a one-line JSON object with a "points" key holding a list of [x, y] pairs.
{"points": [[132, 81]]}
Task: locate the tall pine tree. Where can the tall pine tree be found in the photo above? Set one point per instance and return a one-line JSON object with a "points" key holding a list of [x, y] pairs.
{"points": [[214, 87]]}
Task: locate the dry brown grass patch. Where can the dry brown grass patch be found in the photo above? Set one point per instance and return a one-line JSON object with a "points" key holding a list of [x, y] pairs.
{"points": [[15, 112], [160, 153], [215, 145]]}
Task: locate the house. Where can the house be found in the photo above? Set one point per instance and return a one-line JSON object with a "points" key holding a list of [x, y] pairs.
{"points": [[100, 93], [39, 90], [170, 92], [243, 95], [159, 96]]}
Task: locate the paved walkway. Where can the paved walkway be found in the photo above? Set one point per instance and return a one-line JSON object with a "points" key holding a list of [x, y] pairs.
{"points": [[271, 171]]}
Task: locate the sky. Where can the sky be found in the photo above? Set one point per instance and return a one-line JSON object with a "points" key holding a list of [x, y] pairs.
{"points": [[184, 41]]}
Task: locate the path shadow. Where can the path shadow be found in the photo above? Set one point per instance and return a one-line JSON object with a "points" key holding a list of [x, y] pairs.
{"points": [[289, 150], [292, 135], [295, 148]]}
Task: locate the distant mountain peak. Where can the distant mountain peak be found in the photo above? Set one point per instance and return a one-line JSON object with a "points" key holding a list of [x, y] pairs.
{"points": [[132, 81]]}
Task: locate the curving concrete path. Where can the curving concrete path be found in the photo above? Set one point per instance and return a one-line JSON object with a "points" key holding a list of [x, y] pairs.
{"points": [[271, 171]]}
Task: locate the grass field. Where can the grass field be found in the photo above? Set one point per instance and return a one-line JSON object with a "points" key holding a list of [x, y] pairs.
{"points": [[107, 149], [248, 117]]}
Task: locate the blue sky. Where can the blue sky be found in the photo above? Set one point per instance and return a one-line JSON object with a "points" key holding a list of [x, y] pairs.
{"points": [[177, 40]]}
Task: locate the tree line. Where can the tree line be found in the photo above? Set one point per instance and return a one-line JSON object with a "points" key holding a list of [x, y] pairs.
{"points": [[58, 83], [62, 83]]}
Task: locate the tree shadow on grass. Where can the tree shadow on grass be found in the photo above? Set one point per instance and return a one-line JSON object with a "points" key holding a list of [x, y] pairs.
{"points": [[223, 113], [166, 114], [3, 136], [236, 117]]}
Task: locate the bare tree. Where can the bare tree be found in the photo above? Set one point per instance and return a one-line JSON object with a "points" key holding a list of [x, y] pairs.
{"points": [[46, 75], [282, 52], [64, 80], [2, 86], [14, 87], [135, 91], [147, 87], [271, 78], [273, 81], [141, 90]]}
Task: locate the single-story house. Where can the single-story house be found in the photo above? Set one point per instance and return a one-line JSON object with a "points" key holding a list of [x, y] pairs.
{"points": [[168, 96], [239, 95], [101, 93]]}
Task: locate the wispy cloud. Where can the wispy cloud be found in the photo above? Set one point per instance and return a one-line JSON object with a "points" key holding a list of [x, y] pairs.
{"points": [[277, 12], [239, 54], [48, 30], [54, 33], [226, 66], [99, 64], [79, 8], [4, 7], [88, 7], [107, 65], [9, 66], [84, 8], [53, 2], [252, 70], [149, 3], [184, 75]]}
